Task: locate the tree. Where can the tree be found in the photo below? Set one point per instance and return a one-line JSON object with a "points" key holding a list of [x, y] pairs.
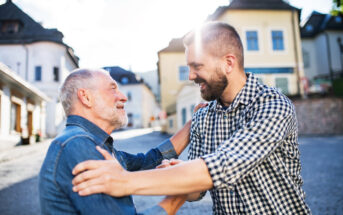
{"points": [[337, 8]]}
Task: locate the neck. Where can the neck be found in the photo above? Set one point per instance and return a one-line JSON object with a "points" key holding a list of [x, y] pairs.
{"points": [[105, 126], [237, 80]]}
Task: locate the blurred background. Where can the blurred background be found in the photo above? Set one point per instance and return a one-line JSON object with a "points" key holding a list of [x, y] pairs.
{"points": [[295, 46]]}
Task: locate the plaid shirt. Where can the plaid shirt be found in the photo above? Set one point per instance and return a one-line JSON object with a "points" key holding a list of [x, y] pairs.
{"points": [[251, 152]]}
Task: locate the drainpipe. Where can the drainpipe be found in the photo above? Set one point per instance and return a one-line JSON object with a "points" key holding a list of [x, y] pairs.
{"points": [[26, 62], [329, 57], [296, 54]]}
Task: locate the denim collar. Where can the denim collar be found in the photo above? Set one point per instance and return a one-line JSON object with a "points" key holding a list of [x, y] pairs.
{"points": [[101, 137]]}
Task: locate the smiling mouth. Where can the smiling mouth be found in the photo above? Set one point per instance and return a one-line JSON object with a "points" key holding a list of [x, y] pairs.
{"points": [[120, 107]]}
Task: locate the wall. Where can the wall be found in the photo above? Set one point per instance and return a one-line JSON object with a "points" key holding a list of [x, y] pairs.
{"points": [[170, 83], [320, 116]]}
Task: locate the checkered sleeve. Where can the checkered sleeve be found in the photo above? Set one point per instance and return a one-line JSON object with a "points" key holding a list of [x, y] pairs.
{"points": [[270, 123], [195, 144]]}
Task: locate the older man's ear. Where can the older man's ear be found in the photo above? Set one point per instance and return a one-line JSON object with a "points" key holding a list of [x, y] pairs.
{"points": [[85, 97]]}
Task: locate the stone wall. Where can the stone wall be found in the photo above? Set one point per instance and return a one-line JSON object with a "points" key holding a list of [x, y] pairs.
{"points": [[319, 116]]}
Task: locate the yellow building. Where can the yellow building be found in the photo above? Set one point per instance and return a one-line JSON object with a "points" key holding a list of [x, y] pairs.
{"points": [[269, 30]]}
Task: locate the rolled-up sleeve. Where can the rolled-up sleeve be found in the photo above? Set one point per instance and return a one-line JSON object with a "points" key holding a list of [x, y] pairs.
{"points": [[167, 149], [251, 144]]}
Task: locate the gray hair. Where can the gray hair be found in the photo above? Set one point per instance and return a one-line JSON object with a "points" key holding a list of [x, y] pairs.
{"points": [[79, 78]]}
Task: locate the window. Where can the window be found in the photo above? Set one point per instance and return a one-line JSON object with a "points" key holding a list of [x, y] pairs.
{"points": [[10, 27], [282, 85], [171, 124], [129, 120], [15, 117], [183, 73], [56, 74], [184, 115], [38, 73], [306, 57], [129, 96], [192, 109], [260, 80], [124, 80], [277, 38], [252, 40]]}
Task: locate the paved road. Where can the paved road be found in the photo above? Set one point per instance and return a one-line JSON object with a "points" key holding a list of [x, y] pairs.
{"points": [[322, 159]]}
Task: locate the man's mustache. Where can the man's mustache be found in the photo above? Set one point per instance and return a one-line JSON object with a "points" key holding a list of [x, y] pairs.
{"points": [[198, 80]]}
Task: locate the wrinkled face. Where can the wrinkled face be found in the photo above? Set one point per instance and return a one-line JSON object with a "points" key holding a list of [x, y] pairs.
{"points": [[206, 70], [109, 101]]}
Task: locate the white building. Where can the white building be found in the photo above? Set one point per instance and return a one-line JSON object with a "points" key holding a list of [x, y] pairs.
{"points": [[22, 109], [151, 79], [141, 106], [38, 55], [322, 47]]}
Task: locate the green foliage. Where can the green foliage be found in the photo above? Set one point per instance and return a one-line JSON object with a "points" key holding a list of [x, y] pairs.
{"points": [[338, 87], [337, 7]]}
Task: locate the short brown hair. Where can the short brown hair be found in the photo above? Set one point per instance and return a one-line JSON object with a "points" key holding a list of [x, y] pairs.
{"points": [[219, 39]]}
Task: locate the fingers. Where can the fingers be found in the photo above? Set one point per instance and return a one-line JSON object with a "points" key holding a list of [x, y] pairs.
{"points": [[93, 189], [168, 163], [86, 165], [104, 153], [175, 161], [87, 175], [164, 164], [200, 105]]}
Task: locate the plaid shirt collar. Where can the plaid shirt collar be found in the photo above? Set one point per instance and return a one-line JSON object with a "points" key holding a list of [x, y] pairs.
{"points": [[247, 95]]}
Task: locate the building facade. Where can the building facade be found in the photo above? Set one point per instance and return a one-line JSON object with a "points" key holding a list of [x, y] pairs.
{"points": [[38, 55], [22, 109], [269, 30], [141, 106], [322, 47]]}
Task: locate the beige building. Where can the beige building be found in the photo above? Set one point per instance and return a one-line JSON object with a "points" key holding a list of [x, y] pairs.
{"points": [[22, 109], [270, 34]]}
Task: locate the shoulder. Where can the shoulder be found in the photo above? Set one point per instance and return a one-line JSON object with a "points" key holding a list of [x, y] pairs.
{"points": [[76, 145], [202, 112], [273, 101]]}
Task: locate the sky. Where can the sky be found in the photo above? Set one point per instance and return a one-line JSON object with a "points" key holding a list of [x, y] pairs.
{"points": [[129, 33]]}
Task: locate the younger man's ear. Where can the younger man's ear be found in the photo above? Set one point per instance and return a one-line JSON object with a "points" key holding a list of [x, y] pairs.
{"points": [[229, 62], [85, 97]]}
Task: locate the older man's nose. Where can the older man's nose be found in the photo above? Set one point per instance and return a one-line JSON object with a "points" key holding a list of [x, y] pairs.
{"points": [[122, 97]]}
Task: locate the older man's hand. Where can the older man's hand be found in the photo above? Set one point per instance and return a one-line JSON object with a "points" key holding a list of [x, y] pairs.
{"points": [[100, 176]]}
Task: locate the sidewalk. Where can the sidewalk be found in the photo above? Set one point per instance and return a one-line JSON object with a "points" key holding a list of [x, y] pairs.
{"points": [[10, 150]]}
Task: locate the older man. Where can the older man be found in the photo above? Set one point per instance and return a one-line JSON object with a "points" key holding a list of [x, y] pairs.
{"points": [[95, 107]]}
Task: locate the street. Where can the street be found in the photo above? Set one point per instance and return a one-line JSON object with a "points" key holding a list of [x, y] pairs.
{"points": [[321, 157]]}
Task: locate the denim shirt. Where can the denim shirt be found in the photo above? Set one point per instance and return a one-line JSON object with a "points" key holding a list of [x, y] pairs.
{"points": [[76, 144]]}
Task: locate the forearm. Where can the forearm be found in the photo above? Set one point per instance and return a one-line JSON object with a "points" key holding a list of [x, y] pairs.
{"points": [[171, 204], [180, 140], [188, 177]]}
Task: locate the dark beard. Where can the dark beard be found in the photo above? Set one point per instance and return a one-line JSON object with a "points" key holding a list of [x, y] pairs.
{"points": [[214, 88]]}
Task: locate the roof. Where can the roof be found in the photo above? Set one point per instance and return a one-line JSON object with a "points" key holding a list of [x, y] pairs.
{"points": [[175, 45], [318, 22], [29, 31], [252, 5], [122, 76], [9, 77]]}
